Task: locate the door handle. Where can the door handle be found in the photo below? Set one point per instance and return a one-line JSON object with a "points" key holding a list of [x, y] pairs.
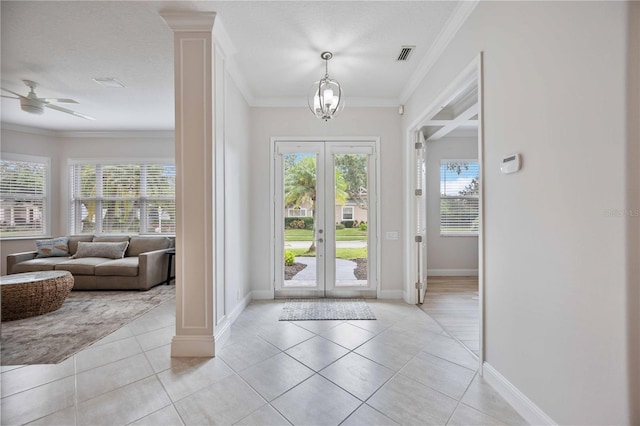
{"points": [[320, 240]]}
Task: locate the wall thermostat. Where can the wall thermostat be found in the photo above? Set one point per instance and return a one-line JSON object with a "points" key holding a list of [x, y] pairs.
{"points": [[510, 164]]}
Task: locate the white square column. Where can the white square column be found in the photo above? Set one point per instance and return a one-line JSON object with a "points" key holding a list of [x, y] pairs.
{"points": [[195, 198]]}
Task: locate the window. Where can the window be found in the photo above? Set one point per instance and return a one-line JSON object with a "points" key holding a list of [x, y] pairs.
{"points": [[347, 212], [459, 197], [24, 204], [122, 198], [297, 213]]}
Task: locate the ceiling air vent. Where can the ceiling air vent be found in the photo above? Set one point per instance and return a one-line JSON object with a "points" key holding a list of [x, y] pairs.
{"points": [[405, 52]]}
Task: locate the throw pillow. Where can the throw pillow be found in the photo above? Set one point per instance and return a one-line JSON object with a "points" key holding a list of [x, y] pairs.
{"points": [[108, 250], [55, 247]]}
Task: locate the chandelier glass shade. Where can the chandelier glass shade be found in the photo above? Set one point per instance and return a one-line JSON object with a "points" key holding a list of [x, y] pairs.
{"points": [[326, 97]]}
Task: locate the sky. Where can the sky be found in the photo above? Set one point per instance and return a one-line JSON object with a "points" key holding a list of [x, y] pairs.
{"points": [[451, 183]]}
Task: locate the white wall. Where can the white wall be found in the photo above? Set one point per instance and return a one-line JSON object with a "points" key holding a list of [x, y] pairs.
{"points": [[380, 122], [555, 271], [452, 254], [238, 212], [633, 205]]}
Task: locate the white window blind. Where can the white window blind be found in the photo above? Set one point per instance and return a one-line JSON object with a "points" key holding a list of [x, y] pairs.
{"points": [[459, 197], [23, 196], [122, 198], [297, 213]]}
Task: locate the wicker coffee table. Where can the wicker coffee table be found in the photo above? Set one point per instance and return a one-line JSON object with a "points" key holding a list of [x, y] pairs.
{"points": [[33, 293]]}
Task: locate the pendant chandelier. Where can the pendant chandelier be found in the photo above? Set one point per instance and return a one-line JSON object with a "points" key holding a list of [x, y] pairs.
{"points": [[326, 96]]}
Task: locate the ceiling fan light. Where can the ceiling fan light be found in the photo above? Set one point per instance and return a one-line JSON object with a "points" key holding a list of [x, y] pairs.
{"points": [[31, 106]]}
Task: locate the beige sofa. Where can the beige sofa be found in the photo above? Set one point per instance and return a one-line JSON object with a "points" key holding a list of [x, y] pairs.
{"points": [[143, 266]]}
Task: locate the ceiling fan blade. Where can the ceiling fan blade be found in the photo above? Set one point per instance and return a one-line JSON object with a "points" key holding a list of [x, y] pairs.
{"points": [[49, 100], [68, 111], [13, 93], [8, 97]]}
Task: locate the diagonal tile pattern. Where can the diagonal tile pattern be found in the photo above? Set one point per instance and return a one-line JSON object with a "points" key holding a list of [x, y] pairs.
{"points": [[399, 370]]}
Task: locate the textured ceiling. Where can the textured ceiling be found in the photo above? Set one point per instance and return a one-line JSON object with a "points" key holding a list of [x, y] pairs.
{"points": [[274, 54]]}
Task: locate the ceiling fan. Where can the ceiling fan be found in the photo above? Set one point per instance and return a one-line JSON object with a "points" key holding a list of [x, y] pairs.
{"points": [[35, 105]]}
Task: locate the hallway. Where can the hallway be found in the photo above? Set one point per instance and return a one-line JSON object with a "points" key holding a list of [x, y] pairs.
{"points": [[399, 369]]}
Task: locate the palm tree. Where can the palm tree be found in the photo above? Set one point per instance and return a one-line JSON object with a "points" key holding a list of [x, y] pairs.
{"points": [[300, 187]]}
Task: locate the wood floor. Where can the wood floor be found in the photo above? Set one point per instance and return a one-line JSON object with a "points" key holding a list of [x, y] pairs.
{"points": [[453, 302]]}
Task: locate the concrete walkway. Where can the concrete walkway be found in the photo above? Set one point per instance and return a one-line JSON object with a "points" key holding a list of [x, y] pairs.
{"points": [[339, 244], [344, 269]]}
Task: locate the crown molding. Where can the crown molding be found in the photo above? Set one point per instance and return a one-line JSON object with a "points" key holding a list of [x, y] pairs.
{"points": [[221, 37], [222, 41], [26, 129], [300, 102], [120, 134], [450, 29], [104, 134], [233, 71]]}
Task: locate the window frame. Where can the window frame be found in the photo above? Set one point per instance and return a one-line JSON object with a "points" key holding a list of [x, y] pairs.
{"points": [[46, 221], [302, 210], [456, 197], [353, 212], [75, 203]]}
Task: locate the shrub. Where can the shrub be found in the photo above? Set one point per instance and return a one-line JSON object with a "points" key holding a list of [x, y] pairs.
{"points": [[347, 223], [289, 258], [298, 222], [363, 226], [339, 226], [308, 222]]}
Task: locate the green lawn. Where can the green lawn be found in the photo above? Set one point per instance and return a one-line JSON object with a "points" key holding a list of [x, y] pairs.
{"points": [[347, 234], [341, 253]]}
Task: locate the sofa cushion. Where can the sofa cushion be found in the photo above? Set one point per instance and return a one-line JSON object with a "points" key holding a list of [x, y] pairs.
{"points": [[54, 247], [38, 264], [139, 245], [126, 267], [75, 239], [108, 250], [83, 266]]}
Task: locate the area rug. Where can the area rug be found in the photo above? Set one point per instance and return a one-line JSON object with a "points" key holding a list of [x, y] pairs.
{"points": [[326, 309], [84, 318]]}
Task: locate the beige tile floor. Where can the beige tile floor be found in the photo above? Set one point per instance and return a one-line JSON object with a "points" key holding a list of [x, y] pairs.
{"points": [[400, 369]]}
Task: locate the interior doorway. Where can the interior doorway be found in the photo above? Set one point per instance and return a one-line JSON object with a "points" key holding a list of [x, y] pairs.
{"points": [[325, 218], [448, 213]]}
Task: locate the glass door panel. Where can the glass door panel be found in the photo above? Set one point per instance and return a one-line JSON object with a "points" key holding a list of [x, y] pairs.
{"points": [[300, 263], [351, 216], [351, 267], [299, 176]]}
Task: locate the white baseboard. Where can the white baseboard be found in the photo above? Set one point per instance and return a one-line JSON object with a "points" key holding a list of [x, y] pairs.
{"points": [[235, 313], [452, 272], [192, 346], [519, 401], [391, 294], [262, 295], [221, 331]]}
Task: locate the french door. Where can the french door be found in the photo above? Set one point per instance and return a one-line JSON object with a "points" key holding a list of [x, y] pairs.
{"points": [[325, 223]]}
